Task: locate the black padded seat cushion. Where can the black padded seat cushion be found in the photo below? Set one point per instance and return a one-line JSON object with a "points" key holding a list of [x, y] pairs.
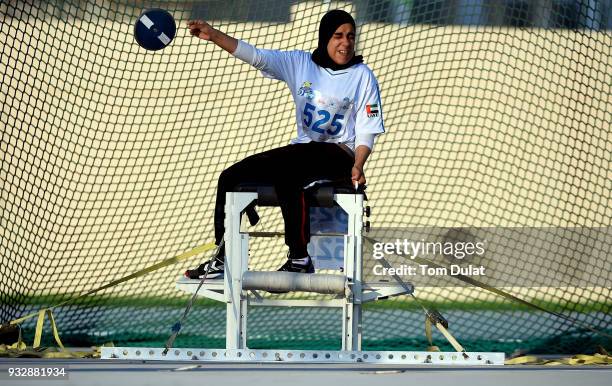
{"points": [[319, 195]]}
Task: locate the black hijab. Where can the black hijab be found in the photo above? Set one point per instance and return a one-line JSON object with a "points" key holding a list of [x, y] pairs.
{"points": [[329, 24]]}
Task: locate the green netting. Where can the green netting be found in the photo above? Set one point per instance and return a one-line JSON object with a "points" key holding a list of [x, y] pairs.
{"points": [[497, 112]]}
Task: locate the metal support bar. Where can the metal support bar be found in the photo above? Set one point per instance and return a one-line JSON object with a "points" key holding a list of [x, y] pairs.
{"points": [[236, 255], [305, 356], [333, 303], [353, 266], [279, 234], [372, 292]]}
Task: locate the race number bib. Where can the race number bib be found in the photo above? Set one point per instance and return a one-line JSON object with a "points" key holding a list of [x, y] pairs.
{"points": [[323, 117]]}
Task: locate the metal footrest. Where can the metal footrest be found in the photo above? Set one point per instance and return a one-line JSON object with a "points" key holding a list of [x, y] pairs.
{"points": [[190, 285], [305, 356]]}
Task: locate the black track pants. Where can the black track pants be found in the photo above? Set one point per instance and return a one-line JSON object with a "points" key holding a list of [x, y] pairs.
{"points": [[288, 169]]}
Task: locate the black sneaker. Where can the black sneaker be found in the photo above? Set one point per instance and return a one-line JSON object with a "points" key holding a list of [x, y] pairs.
{"points": [[291, 266], [216, 267], [214, 272]]}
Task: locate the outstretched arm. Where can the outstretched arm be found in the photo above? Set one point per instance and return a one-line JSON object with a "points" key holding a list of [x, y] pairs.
{"points": [[204, 31], [274, 64]]}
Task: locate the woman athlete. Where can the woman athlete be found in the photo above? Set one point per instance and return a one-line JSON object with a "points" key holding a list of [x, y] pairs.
{"points": [[338, 116]]}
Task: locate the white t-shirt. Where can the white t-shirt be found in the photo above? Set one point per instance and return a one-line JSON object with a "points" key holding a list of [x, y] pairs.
{"points": [[331, 106]]}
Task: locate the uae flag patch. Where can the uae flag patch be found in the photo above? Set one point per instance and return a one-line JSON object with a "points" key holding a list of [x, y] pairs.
{"points": [[372, 110]]}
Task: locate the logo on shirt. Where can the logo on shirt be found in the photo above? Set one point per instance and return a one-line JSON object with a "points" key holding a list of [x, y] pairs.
{"points": [[346, 104], [306, 90], [372, 111]]}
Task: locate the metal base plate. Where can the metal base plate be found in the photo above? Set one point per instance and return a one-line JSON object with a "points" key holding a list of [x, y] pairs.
{"points": [[304, 356]]}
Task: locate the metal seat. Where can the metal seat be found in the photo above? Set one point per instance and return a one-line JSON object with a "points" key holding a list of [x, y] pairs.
{"points": [[240, 288]]}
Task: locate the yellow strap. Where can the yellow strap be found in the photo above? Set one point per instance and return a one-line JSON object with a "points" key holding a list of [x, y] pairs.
{"points": [[18, 346], [578, 360], [54, 329], [142, 272], [428, 330], [39, 328], [65, 354], [450, 338]]}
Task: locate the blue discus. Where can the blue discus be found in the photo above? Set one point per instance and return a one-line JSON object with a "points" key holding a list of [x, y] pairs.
{"points": [[154, 29]]}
